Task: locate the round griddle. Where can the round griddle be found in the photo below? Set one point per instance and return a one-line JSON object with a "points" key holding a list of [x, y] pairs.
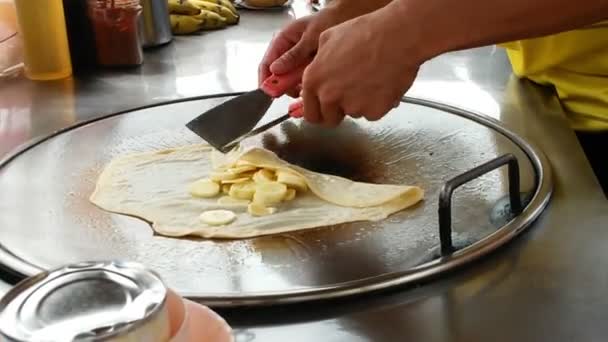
{"points": [[47, 220]]}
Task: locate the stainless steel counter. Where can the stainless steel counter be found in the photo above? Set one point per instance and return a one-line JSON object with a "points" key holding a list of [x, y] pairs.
{"points": [[547, 285]]}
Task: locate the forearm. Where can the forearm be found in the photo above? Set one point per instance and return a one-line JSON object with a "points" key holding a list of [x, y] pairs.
{"points": [[356, 8], [438, 26]]}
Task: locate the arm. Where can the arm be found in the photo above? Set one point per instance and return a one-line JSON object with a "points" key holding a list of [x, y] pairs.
{"points": [[446, 25], [364, 65]]}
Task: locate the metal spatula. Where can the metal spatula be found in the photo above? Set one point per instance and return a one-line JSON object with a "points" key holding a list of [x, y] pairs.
{"points": [[295, 111], [227, 124]]}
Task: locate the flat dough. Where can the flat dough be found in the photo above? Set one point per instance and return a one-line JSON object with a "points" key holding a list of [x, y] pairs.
{"points": [[154, 186]]}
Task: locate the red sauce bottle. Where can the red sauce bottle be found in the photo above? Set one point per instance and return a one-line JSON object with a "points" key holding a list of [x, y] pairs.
{"points": [[115, 24]]}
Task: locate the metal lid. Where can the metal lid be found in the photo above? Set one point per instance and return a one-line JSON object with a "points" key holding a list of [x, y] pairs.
{"points": [[87, 301]]}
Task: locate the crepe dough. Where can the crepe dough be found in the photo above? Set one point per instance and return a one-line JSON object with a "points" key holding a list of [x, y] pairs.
{"points": [[154, 186]]}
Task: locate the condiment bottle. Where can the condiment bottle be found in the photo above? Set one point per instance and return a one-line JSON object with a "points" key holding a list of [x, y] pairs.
{"points": [[80, 35], [45, 41], [115, 24]]}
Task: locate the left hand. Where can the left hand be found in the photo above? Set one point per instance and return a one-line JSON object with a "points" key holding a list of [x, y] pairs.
{"points": [[362, 68]]}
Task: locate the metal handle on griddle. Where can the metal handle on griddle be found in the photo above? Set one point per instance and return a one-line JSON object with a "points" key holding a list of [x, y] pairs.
{"points": [[445, 195]]}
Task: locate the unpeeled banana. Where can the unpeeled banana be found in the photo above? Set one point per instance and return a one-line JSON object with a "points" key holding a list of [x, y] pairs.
{"points": [[210, 20], [185, 24], [231, 17], [182, 7], [188, 24], [225, 3], [191, 16]]}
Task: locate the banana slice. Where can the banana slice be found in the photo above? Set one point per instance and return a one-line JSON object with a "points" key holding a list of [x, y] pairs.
{"points": [[220, 176], [248, 174], [226, 188], [244, 190], [263, 176], [292, 180], [236, 181], [256, 209], [243, 163], [268, 194], [227, 200], [289, 195], [217, 217], [242, 169], [204, 188]]}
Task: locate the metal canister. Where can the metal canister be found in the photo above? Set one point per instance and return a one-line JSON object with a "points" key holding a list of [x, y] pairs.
{"points": [[91, 301], [154, 23]]}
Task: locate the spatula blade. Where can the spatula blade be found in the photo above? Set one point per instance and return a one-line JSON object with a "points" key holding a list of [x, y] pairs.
{"points": [[231, 119]]}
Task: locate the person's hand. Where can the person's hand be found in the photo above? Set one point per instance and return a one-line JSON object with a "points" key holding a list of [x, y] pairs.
{"points": [[297, 43], [289, 49], [362, 68]]}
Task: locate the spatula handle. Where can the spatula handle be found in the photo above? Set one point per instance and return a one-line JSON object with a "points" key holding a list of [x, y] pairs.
{"points": [[296, 109], [277, 85]]}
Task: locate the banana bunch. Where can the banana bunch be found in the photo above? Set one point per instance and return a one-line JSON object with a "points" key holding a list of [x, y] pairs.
{"points": [[190, 16]]}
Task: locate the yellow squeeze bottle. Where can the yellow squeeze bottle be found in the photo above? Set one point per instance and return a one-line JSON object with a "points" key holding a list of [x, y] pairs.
{"points": [[45, 41]]}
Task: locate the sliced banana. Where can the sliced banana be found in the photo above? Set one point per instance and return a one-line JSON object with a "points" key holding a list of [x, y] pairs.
{"points": [[289, 195], [244, 190], [248, 174], [256, 209], [291, 180], [243, 163], [204, 188], [226, 188], [242, 169], [263, 176], [219, 176], [236, 180], [270, 193], [227, 200], [217, 217]]}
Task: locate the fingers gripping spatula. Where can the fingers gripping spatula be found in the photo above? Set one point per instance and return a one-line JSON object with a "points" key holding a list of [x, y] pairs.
{"points": [[227, 124]]}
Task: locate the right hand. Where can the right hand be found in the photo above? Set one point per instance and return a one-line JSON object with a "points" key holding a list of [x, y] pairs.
{"points": [[297, 43]]}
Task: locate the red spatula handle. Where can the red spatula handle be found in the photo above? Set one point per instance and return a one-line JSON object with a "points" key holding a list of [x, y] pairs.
{"points": [[296, 109], [277, 85]]}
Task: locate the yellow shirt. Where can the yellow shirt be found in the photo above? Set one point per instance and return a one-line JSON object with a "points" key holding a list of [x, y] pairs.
{"points": [[576, 64]]}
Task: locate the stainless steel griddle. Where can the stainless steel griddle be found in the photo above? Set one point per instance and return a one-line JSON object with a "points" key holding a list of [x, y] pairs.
{"points": [[48, 221]]}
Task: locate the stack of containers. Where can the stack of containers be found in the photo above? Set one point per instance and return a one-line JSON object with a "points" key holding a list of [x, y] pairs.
{"points": [[62, 36]]}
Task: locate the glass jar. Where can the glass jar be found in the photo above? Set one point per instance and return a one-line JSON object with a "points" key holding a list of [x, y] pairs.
{"points": [[115, 24]]}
